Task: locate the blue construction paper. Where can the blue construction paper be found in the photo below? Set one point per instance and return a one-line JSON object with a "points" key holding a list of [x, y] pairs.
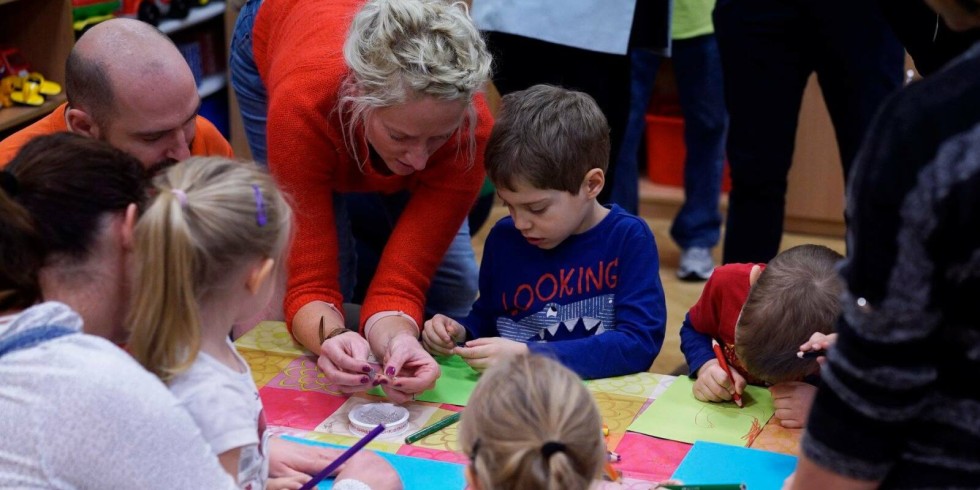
{"points": [[710, 462], [415, 472]]}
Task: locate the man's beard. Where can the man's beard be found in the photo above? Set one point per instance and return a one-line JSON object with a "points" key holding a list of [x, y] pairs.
{"points": [[158, 167]]}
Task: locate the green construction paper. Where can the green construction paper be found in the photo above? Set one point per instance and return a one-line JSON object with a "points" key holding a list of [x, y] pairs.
{"points": [[678, 416], [454, 385]]}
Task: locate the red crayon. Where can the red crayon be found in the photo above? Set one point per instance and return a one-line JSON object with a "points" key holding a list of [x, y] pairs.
{"points": [[724, 365]]}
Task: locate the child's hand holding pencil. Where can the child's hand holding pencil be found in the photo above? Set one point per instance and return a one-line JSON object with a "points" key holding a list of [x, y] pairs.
{"points": [[717, 383]]}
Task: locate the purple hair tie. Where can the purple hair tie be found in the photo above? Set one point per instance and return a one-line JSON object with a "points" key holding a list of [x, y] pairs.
{"points": [[181, 196], [260, 218]]}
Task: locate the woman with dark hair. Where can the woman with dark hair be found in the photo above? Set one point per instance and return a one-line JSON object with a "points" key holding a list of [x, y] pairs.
{"points": [[67, 209]]}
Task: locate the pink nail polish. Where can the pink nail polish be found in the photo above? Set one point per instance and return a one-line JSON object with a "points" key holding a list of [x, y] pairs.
{"points": [[390, 371], [365, 380]]}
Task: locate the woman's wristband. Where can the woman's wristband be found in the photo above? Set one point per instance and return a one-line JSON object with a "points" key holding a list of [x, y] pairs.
{"points": [[333, 333]]}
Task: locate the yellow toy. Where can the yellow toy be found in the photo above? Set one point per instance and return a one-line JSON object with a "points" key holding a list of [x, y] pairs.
{"points": [[6, 88], [48, 87], [30, 90]]}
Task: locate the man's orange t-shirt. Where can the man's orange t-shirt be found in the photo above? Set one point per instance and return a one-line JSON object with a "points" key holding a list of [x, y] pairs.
{"points": [[208, 141]]}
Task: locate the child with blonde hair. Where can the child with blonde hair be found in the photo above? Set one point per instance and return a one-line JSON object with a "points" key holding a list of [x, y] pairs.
{"points": [[531, 423], [206, 254]]}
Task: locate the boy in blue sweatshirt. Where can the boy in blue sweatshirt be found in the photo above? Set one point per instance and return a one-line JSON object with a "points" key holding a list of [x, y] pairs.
{"points": [[562, 275]]}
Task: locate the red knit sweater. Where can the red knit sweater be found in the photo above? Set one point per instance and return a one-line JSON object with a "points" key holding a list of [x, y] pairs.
{"points": [[298, 50]]}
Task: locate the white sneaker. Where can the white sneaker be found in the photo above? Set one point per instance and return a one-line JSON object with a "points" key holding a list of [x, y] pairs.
{"points": [[696, 264]]}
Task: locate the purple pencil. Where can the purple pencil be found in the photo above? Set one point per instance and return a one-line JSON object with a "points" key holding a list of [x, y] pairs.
{"points": [[343, 457]]}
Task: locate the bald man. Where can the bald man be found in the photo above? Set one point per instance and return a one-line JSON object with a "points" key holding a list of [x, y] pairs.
{"points": [[128, 85]]}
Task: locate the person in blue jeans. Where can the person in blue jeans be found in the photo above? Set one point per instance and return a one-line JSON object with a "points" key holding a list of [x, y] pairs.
{"points": [[697, 65], [364, 220]]}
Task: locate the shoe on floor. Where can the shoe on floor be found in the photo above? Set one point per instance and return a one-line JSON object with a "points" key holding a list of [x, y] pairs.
{"points": [[696, 264]]}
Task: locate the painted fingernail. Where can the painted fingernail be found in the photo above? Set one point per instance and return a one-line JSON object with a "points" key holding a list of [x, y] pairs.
{"points": [[366, 369], [390, 371], [376, 382], [384, 381], [365, 380]]}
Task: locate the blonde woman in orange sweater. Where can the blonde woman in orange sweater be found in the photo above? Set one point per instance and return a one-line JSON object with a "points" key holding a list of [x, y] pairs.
{"points": [[348, 96]]}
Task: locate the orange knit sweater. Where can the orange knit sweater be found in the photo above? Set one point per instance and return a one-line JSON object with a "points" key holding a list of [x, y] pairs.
{"points": [[298, 50]]}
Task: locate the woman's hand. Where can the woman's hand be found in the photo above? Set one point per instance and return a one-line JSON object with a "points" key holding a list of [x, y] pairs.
{"points": [[343, 360], [408, 367]]}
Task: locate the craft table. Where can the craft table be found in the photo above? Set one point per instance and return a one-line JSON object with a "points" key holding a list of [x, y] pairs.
{"points": [[298, 402]]}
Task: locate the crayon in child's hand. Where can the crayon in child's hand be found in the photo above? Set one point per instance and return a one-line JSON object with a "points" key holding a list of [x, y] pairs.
{"points": [[724, 365]]}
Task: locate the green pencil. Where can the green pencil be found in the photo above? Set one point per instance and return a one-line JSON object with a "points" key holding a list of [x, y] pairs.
{"points": [[429, 429], [711, 486]]}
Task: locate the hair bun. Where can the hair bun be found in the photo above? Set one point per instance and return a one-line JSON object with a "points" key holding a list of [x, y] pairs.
{"points": [[551, 447]]}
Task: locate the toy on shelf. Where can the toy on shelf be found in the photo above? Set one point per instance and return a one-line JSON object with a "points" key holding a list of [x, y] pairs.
{"points": [[7, 88], [153, 11], [87, 13], [12, 62], [29, 89]]}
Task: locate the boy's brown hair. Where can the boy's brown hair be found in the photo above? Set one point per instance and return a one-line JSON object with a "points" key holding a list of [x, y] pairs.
{"points": [[796, 295], [548, 137]]}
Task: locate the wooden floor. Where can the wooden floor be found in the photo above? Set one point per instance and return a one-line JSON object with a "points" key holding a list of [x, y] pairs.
{"points": [[680, 295]]}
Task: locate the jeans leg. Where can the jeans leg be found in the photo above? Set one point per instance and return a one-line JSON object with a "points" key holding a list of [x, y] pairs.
{"points": [[699, 82], [252, 97], [346, 252], [373, 218], [643, 71], [456, 283]]}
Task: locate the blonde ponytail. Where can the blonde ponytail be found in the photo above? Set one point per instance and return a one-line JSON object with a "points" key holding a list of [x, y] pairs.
{"points": [[210, 215], [167, 331], [531, 423]]}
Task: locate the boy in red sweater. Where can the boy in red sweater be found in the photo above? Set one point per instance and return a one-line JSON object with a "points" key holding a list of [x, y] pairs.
{"points": [[762, 315]]}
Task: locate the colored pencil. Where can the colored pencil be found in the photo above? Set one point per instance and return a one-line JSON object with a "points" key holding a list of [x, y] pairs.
{"points": [[710, 486], [810, 354], [429, 429], [343, 457], [611, 472], [724, 365]]}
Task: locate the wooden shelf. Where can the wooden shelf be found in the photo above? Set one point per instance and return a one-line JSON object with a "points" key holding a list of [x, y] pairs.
{"points": [[13, 116], [197, 15]]}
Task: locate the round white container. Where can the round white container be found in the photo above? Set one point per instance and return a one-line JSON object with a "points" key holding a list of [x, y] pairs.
{"points": [[366, 417]]}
